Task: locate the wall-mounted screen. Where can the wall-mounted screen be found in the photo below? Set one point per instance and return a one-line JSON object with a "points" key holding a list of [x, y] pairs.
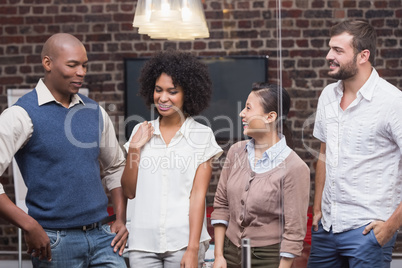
{"points": [[232, 79]]}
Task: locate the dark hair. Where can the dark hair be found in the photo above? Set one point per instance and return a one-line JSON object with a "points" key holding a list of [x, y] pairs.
{"points": [[364, 35], [186, 71], [275, 98]]}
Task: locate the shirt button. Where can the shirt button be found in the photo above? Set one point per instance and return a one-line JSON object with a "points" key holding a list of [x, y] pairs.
{"points": [[242, 202]]}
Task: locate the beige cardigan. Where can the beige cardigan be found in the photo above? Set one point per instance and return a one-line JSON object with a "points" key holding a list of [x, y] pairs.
{"points": [[268, 208]]}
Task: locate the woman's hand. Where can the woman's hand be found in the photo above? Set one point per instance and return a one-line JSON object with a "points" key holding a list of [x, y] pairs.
{"points": [[286, 262], [190, 259], [220, 262], [142, 136]]}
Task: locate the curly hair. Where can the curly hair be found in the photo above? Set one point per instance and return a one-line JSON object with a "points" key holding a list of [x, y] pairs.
{"points": [[186, 71]]}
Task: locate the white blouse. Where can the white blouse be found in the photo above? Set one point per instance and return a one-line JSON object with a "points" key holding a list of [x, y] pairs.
{"points": [[159, 214]]}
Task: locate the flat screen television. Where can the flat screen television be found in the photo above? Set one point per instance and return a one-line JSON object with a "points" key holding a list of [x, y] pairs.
{"points": [[232, 78]]}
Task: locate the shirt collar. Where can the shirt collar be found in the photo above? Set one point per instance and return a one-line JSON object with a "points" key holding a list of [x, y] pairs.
{"points": [[156, 126], [184, 129], [367, 90], [272, 152], [45, 96], [339, 88]]}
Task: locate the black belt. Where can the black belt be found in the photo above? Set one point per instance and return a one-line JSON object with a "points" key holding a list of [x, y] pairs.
{"points": [[97, 224]]}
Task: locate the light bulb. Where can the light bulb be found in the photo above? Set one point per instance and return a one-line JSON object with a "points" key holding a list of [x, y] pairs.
{"points": [[186, 14], [165, 6]]}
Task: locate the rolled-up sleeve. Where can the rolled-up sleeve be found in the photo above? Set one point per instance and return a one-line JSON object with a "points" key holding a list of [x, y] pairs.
{"points": [[111, 155], [319, 124], [15, 130], [212, 150]]}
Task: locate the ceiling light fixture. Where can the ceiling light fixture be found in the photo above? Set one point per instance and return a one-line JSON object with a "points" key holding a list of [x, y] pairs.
{"points": [[171, 19]]}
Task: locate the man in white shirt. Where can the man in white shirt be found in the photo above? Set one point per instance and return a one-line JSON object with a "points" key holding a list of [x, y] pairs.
{"points": [[35, 237], [358, 184], [60, 139]]}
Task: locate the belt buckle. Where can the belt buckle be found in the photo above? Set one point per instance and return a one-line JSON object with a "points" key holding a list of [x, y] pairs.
{"points": [[89, 226]]}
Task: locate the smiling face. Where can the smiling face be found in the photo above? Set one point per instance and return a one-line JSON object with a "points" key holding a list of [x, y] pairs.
{"points": [[342, 57], [65, 61], [168, 98], [253, 117]]}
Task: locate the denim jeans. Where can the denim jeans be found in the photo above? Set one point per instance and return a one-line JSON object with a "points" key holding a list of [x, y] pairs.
{"points": [[170, 259], [78, 249], [348, 249]]}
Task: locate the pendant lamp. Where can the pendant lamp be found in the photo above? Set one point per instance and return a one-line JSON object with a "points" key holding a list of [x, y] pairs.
{"points": [[171, 19]]}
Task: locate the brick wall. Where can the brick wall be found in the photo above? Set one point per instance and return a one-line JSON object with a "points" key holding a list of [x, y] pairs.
{"points": [[236, 28]]}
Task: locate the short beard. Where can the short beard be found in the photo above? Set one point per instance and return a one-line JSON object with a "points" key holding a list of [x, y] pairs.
{"points": [[346, 72]]}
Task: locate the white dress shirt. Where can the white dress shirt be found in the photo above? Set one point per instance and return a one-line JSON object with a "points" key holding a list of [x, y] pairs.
{"points": [[363, 154], [1, 189], [16, 128], [159, 213]]}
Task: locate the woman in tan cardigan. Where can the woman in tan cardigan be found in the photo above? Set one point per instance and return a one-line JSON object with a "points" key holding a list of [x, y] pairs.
{"points": [[263, 191]]}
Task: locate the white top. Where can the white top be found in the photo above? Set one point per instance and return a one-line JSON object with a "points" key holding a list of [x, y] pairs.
{"points": [[16, 129], [363, 154], [1, 189], [159, 220]]}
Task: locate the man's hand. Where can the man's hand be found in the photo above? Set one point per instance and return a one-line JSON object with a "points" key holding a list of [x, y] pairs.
{"points": [[37, 241], [120, 240], [316, 218], [383, 231]]}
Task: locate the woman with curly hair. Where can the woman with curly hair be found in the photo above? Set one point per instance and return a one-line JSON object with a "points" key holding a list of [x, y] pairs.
{"points": [[169, 165]]}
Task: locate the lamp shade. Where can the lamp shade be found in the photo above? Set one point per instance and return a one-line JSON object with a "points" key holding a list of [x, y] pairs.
{"points": [[171, 19]]}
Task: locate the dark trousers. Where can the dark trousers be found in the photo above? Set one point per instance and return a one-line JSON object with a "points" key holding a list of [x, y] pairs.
{"points": [[264, 257]]}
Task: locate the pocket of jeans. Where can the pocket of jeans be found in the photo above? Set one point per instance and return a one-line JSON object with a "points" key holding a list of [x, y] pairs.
{"points": [[229, 247], [319, 225], [373, 238], [106, 229], [225, 245], [265, 253], [54, 237]]}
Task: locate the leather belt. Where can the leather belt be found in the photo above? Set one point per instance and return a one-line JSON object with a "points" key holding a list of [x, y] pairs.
{"points": [[97, 224]]}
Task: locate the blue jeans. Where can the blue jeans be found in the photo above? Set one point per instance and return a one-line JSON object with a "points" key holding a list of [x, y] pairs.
{"points": [[78, 249], [348, 249]]}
